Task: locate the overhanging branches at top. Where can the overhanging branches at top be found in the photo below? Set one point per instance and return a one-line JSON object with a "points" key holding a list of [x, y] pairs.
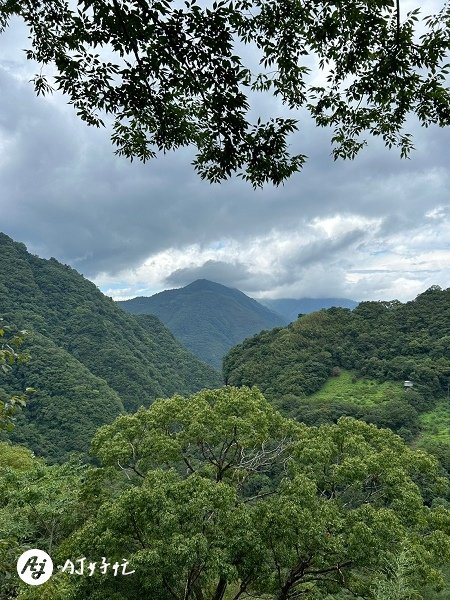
{"points": [[174, 77]]}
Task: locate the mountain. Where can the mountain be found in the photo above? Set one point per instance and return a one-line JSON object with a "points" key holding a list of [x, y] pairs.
{"points": [[383, 340], [207, 317], [90, 360], [290, 308], [337, 362]]}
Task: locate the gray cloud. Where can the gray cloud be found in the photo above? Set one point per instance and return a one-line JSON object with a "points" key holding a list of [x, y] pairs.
{"points": [[324, 250], [306, 262], [231, 274], [65, 194]]}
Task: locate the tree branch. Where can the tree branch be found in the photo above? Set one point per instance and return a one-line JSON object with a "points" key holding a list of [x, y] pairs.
{"points": [[137, 531], [172, 593]]}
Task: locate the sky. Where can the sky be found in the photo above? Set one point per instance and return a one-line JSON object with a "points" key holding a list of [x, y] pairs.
{"points": [[374, 228]]}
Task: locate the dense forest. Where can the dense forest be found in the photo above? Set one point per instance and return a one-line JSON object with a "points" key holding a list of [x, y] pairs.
{"points": [[327, 481], [217, 495], [384, 340], [91, 361], [317, 465], [207, 317], [377, 342]]}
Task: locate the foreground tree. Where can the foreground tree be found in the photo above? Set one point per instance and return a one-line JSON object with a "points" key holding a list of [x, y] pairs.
{"points": [[176, 78], [225, 498], [40, 506]]}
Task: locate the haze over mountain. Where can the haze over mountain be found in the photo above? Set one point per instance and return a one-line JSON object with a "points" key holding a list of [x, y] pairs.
{"points": [[90, 360], [290, 308], [207, 317]]}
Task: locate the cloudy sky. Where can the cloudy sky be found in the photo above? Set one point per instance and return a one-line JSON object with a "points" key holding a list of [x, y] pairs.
{"points": [[374, 228]]}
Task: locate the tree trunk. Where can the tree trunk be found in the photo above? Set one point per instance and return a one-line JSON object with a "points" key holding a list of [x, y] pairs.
{"points": [[284, 591], [198, 592], [220, 590]]}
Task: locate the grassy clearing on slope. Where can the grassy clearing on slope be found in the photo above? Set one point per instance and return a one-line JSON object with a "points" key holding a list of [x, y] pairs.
{"points": [[362, 392], [435, 424]]}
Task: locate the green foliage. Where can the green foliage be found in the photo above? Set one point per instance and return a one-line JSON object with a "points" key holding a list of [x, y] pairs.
{"points": [[69, 402], [208, 318], [428, 593], [396, 583], [218, 496], [171, 76], [225, 433], [386, 341], [342, 500], [435, 432], [347, 387], [40, 505], [10, 341], [90, 359], [304, 368], [384, 404], [436, 422], [297, 359]]}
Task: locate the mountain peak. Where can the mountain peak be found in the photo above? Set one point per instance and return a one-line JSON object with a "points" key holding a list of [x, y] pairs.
{"points": [[207, 317], [203, 284]]}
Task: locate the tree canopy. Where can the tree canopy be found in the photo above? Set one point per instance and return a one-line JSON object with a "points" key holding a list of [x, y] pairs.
{"points": [[339, 362], [217, 496], [225, 498], [176, 74], [384, 340]]}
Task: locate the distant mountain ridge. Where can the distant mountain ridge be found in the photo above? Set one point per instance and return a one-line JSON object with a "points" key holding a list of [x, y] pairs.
{"points": [[290, 308], [90, 360], [207, 317]]}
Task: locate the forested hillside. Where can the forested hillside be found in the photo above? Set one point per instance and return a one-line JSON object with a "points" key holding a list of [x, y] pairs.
{"points": [[384, 340], [90, 360], [370, 350], [207, 317], [217, 495]]}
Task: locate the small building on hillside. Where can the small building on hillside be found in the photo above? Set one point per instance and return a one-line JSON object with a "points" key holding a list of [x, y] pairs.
{"points": [[408, 385]]}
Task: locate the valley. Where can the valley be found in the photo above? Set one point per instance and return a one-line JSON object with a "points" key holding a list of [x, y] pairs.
{"points": [[128, 443]]}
